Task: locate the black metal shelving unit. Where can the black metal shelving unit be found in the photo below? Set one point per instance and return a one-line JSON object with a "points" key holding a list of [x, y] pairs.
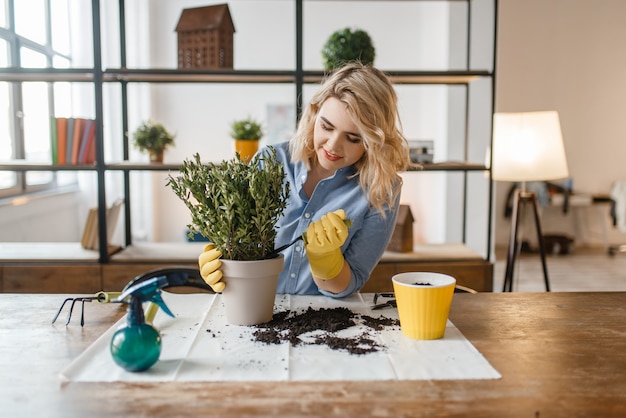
{"points": [[298, 77]]}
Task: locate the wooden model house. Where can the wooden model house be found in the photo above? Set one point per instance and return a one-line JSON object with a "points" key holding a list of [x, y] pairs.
{"points": [[402, 238], [205, 38]]}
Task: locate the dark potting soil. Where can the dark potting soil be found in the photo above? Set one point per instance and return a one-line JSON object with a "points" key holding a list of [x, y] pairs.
{"points": [[291, 326]]}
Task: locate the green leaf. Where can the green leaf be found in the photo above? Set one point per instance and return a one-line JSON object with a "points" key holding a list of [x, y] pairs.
{"points": [[234, 204]]}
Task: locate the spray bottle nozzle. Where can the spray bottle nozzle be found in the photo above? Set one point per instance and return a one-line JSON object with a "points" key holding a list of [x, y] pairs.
{"points": [[147, 291]]}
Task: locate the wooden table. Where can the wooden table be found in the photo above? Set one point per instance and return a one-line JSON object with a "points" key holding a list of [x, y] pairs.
{"points": [[560, 355]]}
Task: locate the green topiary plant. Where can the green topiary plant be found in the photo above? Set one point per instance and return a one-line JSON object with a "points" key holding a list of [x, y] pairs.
{"points": [[234, 204], [248, 129], [347, 45]]}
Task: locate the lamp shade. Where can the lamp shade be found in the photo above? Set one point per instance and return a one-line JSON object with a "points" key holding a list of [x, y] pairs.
{"points": [[528, 146]]}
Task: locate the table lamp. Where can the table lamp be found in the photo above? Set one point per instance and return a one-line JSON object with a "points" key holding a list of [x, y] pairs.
{"points": [[527, 146]]}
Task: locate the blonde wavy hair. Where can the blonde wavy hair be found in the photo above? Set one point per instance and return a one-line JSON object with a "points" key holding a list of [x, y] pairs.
{"points": [[372, 103]]}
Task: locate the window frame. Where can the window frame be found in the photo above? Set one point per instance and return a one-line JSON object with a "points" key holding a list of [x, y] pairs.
{"points": [[15, 43]]}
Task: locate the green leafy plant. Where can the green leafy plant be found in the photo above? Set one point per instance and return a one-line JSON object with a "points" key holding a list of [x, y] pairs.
{"points": [[152, 137], [248, 129], [234, 204], [348, 45]]}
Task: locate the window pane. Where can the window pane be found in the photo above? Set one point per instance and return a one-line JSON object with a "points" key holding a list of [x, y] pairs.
{"points": [[4, 53], [6, 131], [30, 19], [3, 14], [60, 62], [36, 122], [60, 27], [36, 132], [62, 99], [66, 177], [38, 178], [32, 59], [8, 180]]}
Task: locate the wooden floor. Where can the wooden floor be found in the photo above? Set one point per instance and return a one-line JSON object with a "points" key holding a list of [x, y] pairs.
{"points": [[586, 269]]}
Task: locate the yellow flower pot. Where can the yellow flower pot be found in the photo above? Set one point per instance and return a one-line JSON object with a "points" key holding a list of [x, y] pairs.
{"points": [[246, 148]]}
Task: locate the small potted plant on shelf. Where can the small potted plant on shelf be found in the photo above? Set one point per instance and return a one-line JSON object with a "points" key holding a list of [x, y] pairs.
{"points": [[246, 133], [153, 138], [235, 205], [348, 45]]}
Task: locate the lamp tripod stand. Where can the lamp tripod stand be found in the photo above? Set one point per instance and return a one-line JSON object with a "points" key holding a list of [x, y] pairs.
{"points": [[520, 199]]}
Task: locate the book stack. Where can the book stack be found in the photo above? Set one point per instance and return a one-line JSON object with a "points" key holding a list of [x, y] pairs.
{"points": [[73, 140], [90, 233]]}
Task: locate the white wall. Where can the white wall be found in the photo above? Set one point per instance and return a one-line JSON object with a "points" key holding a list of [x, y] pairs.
{"points": [[200, 114], [568, 55]]}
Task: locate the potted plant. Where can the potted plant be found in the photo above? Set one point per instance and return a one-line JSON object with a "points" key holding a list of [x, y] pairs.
{"points": [[235, 205], [348, 45], [153, 138], [246, 133]]}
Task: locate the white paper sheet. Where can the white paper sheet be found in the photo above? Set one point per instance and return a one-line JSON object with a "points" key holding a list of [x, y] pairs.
{"points": [[199, 345]]}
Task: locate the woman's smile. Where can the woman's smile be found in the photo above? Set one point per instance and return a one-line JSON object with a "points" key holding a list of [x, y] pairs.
{"points": [[331, 156]]}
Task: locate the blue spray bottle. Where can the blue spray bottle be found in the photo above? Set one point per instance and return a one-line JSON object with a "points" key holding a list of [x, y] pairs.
{"points": [[137, 345]]}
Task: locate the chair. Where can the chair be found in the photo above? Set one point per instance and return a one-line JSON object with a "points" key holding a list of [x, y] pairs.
{"points": [[618, 213], [614, 249], [463, 289]]}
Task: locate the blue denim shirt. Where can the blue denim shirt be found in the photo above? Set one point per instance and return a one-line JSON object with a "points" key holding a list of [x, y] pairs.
{"points": [[367, 237]]}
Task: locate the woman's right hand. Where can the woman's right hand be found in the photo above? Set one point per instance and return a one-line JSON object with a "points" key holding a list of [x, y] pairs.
{"points": [[209, 264], [323, 242]]}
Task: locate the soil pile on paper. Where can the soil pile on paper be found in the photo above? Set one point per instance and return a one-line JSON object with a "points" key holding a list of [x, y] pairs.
{"points": [[321, 327]]}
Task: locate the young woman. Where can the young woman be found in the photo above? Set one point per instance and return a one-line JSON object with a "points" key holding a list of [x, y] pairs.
{"points": [[342, 163]]}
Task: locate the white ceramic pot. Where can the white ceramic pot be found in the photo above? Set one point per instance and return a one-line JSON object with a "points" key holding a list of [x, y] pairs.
{"points": [[250, 289]]}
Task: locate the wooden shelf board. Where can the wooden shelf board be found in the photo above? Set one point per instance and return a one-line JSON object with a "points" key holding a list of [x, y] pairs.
{"points": [[451, 166], [190, 76], [187, 252], [160, 252], [166, 75], [134, 165], [433, 252], [416, 77], [47, 74], [45, 252], [20, 165]]}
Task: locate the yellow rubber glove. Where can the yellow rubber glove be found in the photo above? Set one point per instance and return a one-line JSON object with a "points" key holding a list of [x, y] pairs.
{"points": [[324, 239], [209, 264]]}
